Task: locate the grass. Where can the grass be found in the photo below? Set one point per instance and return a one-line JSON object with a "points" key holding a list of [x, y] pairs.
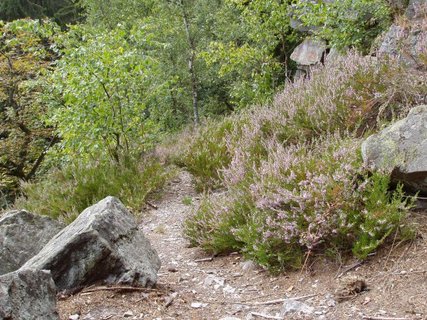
{"points": [[188, 201], [64, 193]]}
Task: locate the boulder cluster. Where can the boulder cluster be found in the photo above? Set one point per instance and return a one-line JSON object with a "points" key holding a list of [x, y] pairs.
{"points": [[406, 41], [39, 257]]}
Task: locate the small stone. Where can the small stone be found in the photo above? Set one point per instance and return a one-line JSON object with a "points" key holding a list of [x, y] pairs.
{"points": [[198, 305], [309, 52], [248, 265], [74, 317], [229, 289], [295, 306], [128, 314], [215, 281], [331, 303], [230, 318]]}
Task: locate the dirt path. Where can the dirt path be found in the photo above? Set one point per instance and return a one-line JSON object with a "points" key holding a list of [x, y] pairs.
{"points": [[193, 285]]}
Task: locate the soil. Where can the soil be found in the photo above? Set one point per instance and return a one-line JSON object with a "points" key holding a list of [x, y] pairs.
{"points": [[391, 284]]}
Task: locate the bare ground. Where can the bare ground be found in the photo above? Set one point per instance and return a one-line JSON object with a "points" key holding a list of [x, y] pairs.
{"points": [[193, 285]]}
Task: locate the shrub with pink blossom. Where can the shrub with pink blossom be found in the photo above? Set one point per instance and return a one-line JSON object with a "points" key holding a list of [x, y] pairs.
{"points": [[295, 183]]}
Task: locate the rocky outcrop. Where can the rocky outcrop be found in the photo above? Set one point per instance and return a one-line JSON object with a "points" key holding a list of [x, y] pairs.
{"points": [[103, 243], [408, 41], [23, 235], [407, 45], [402, 150], [27, 295], [309, 52]]}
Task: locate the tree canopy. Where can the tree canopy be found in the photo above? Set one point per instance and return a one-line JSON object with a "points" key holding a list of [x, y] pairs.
{"points": [[110, 77]]}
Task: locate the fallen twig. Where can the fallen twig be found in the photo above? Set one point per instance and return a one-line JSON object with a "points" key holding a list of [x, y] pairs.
{"points": [[170, 299], [116, 288], [349, 268], [204, 259], [261, 303], [404, 273], [151, 205], [266, 316], [382, 318], [266, 303]]}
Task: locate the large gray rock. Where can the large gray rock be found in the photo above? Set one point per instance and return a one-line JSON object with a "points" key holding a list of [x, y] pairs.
{"points": [[23, 235], [402, 150], [103, 243], [309, 52], [27, 295], [408, 45]]}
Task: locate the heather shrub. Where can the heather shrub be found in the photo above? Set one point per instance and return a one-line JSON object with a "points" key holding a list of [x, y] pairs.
{"points": [[301, 199], [352, 94], [64, 193], [292, 172]]}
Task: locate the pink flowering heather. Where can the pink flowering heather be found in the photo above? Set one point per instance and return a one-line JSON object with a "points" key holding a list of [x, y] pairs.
{"points": [[292, 171]]}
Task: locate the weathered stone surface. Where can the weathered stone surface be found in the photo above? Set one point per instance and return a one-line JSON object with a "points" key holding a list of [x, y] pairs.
{"points": [[27, 295], [291, 306], [416, 9], [407, 43], [103, 243], [392, 41], [23, 235], [309, 52], [402, 149]]}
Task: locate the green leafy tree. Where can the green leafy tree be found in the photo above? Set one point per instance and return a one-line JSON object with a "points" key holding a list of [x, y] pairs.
{"points": [[62, 11], [101, 88], [252, 51], [27, 51], [189, 88], [346, 23]]}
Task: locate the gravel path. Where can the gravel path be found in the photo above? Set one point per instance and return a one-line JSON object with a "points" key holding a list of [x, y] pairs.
{"points": [[193, 285]]}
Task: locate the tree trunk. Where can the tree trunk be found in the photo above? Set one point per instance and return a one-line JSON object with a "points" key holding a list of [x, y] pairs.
{"points": [[191, 68]]}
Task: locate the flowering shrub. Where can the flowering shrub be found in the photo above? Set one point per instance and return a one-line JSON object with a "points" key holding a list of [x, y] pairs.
{"points": [[350, 94], [302, 198], [293, 174]]}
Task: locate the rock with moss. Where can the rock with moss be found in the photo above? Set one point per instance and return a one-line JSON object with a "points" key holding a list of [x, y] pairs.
{"points": [[104, 244], [401, 149], [408, 41], [28, 295], [23, 235]]}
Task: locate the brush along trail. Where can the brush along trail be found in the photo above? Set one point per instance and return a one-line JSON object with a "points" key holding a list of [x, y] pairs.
{"points": [[391, 284]]}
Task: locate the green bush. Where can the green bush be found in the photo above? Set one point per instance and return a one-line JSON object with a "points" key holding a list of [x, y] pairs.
{"points": [[206, 153], [346, 23], [64, 193], [353, 94]]}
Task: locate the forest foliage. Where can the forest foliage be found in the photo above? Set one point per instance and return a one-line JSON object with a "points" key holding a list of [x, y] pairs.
{"points": [[88, 88]]}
